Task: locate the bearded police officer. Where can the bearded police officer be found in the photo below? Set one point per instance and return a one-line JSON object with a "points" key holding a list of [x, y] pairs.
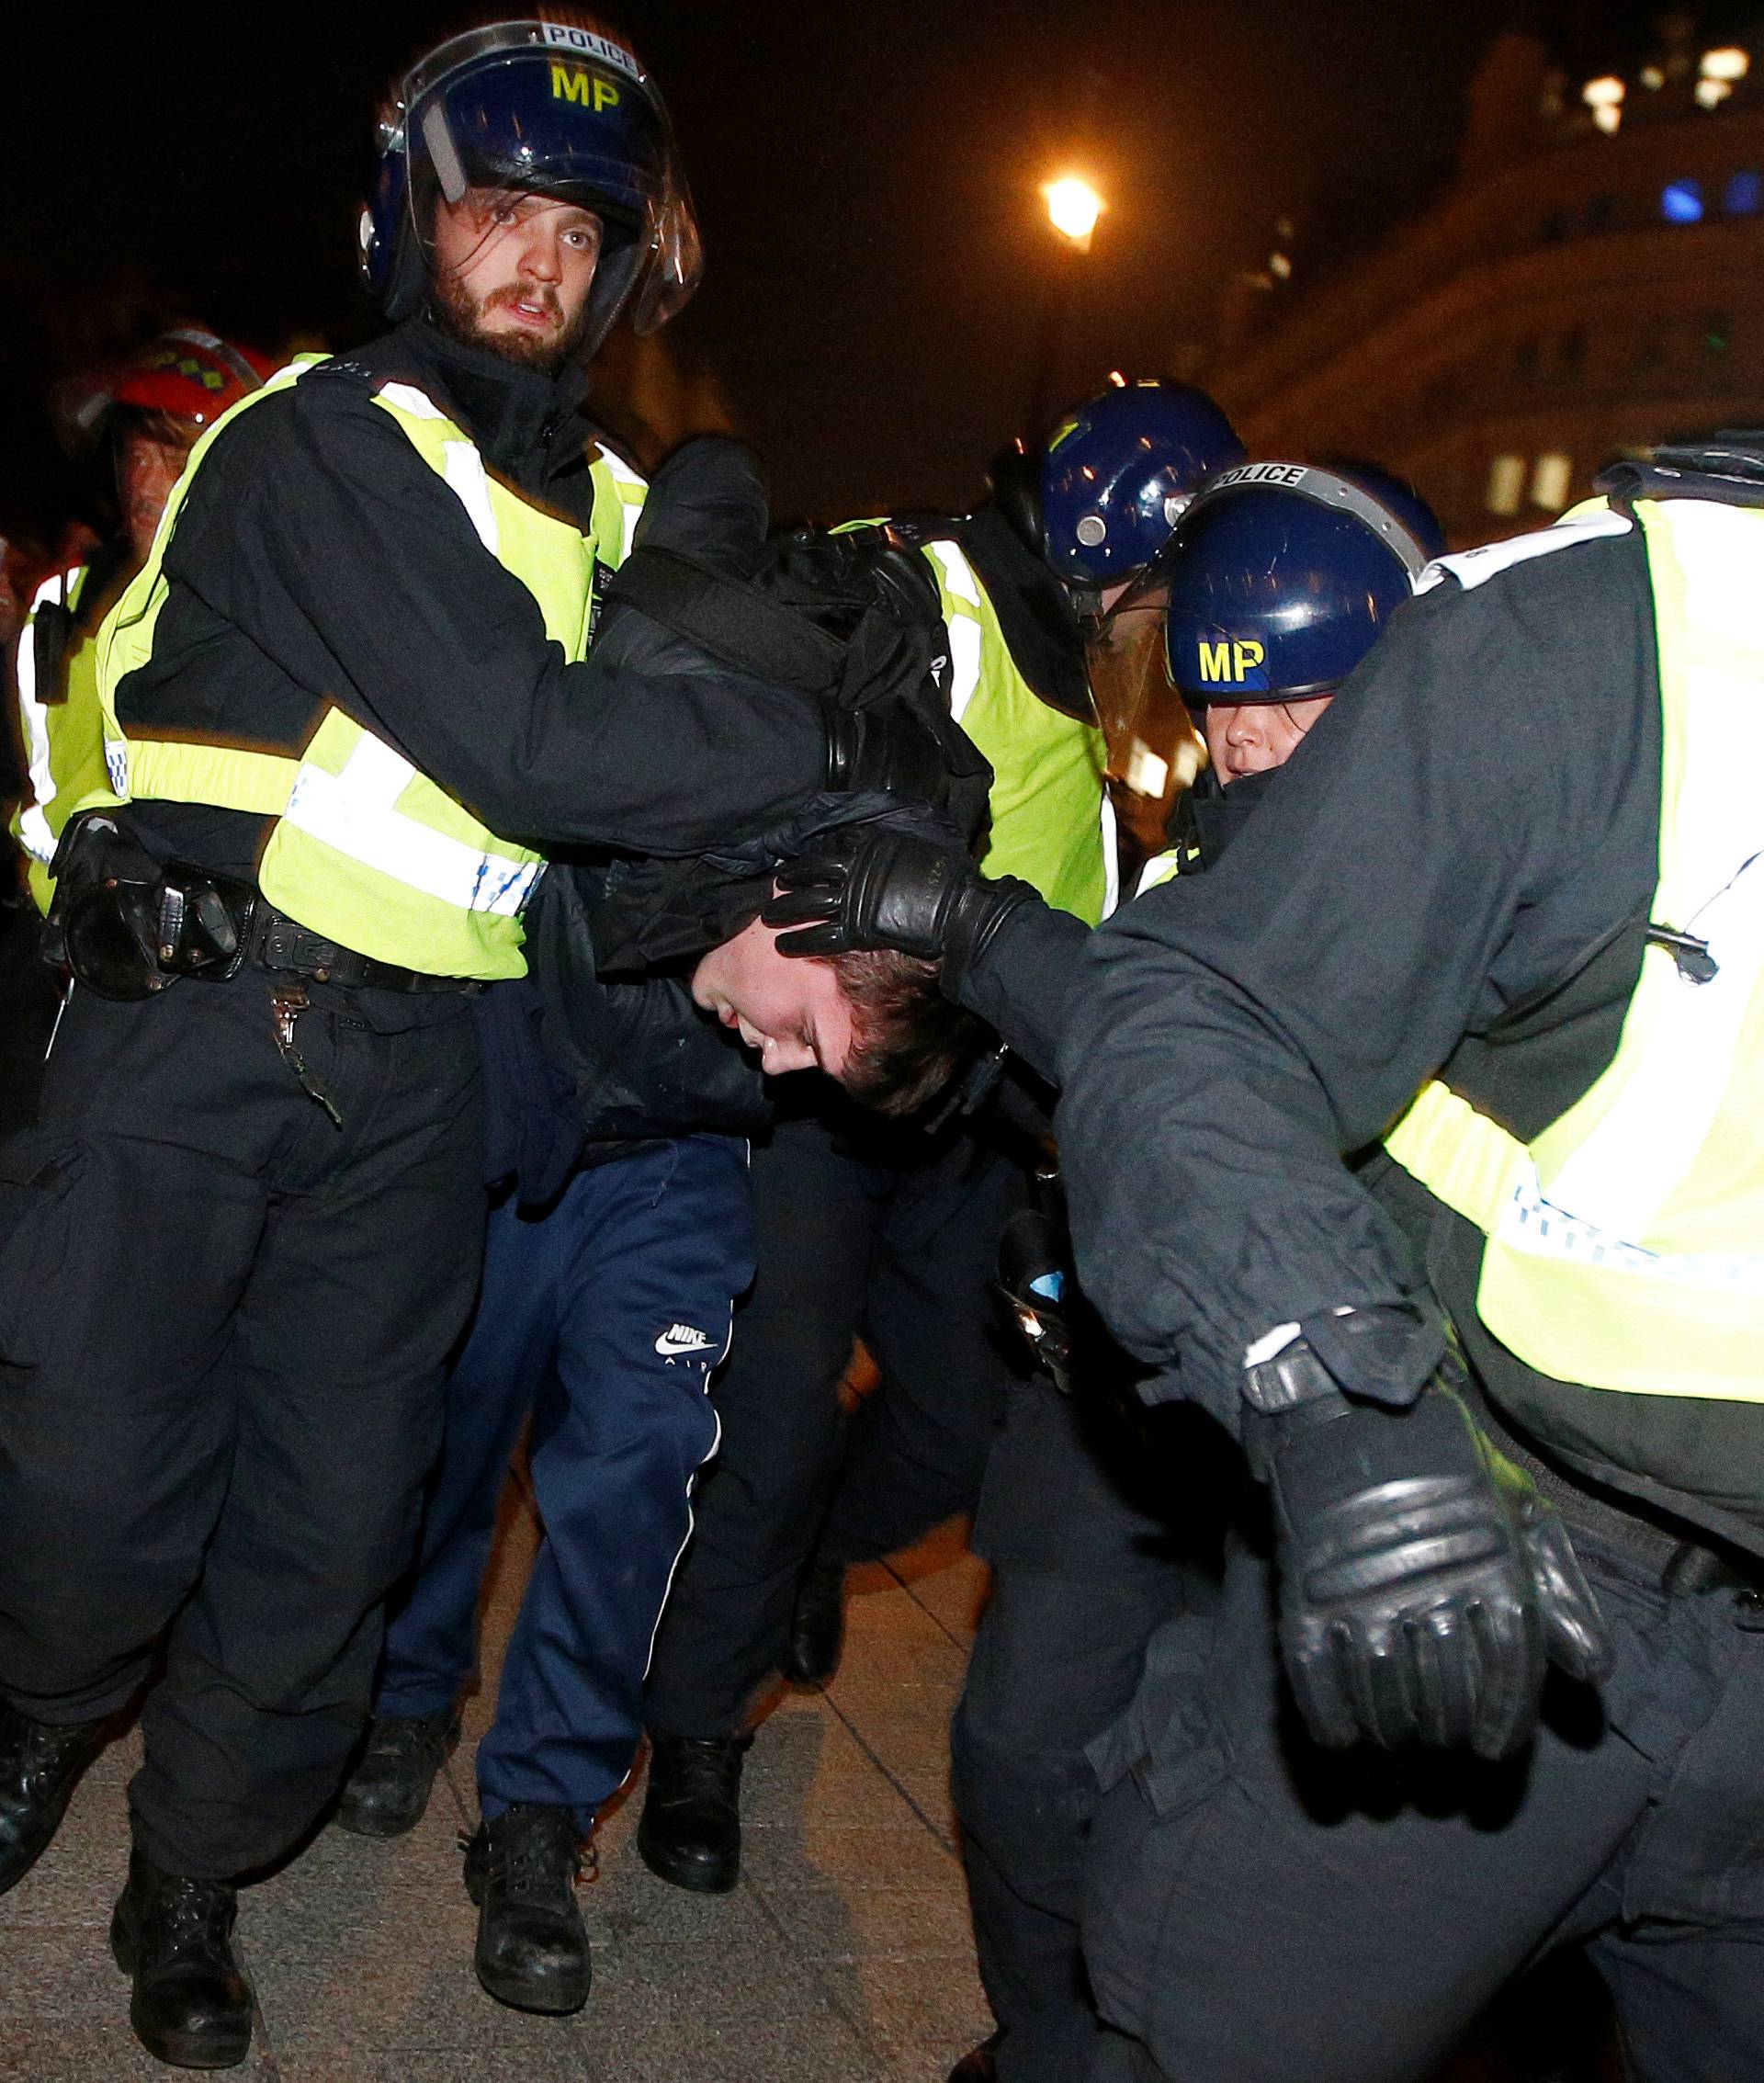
{"points": [[1503, 898], [357, 662]]}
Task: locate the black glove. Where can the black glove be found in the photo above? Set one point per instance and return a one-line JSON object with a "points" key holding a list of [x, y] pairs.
{"points": [[1424, 1581], [908, 750], [893, 888]]}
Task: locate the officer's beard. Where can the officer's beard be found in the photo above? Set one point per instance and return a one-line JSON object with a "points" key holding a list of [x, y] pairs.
{"points": [[462, 317]]}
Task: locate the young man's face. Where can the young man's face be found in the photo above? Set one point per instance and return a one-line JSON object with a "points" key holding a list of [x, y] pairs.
{"points": [[1250, 737], [512, 272], [788, 1007]]}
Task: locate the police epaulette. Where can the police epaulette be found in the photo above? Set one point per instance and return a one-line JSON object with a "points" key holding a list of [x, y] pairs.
{"points": [[358, 372]]}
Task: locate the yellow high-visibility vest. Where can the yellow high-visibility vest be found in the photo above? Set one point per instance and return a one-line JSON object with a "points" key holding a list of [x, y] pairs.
{"points": [[1052, 822], [62, 729], [367, 850], [1625, 1243]]}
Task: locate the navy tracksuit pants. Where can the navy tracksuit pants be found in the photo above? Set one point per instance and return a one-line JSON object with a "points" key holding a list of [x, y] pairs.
{"points": [[603, 1317]]}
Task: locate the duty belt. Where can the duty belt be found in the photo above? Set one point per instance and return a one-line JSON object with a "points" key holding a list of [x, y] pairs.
{"points": [[274, 941], [128, 925]]}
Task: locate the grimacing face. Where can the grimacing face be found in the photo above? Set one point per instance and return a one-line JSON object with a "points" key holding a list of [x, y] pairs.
{"points": [[1251, 737], [789, 1007], [512, 272]]}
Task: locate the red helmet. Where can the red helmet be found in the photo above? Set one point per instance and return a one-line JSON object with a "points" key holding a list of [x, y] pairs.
{"points": [[191, 374]]}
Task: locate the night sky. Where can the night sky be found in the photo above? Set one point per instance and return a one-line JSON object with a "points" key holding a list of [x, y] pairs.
{"points": [[866, 176]]}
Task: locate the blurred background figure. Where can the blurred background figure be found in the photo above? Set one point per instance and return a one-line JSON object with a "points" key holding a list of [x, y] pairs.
{"points": [[131, 425]]}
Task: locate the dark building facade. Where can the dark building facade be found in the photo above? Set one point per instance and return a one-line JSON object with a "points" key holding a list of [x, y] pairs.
{"points": [[1593, 284]]}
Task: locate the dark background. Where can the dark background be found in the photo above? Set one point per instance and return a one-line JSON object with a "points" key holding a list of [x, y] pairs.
{"points": [[867, 177]]}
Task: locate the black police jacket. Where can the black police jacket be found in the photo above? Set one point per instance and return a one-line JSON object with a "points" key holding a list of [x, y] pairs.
{"points": [[317, 559], [1451, 875]]}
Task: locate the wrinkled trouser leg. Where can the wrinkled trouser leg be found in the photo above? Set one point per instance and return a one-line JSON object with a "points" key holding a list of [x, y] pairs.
{"points": [[1257, 1910], [225, 1387], [662, 1246], [1082, 1573], [759, 1507]]}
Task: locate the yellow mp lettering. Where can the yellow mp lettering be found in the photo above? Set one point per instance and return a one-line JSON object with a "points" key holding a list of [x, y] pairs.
{"points": [[1245, 658], [606, 95], [1216, 662], [569, 86]]}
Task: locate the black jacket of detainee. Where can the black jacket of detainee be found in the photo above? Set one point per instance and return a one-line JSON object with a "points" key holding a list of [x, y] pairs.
{"points": [[1451, 877]]}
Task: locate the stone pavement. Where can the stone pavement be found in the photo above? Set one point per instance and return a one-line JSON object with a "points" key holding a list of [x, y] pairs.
{"points": [[843, 1956]]}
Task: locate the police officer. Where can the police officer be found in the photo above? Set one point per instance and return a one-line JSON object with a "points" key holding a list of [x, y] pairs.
{"points": [[1500, 896], [143, 418], [1099, 1525], [866, 1234], [364, 613]]}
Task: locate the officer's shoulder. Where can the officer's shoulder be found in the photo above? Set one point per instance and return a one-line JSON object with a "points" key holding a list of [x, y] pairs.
{"points": [[326, 414], [1591, 560]]}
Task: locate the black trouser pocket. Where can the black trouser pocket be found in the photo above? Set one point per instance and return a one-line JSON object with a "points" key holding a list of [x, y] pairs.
{"points": [[38, 1172]]}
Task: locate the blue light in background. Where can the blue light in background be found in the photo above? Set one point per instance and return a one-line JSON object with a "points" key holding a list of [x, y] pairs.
{"points": [[1745, 194], [1681, 203]]}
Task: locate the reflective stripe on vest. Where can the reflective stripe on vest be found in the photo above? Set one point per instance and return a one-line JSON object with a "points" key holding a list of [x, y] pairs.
{"points": [[1052, 822], [1162, 868], [62, 734], [367, 850], [1626, 1242], [32, 823]]}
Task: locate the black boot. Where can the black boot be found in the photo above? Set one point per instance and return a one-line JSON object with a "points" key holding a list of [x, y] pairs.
{"points": [[691, 1829], [191, 2005], [817, 1626], [979, 2065], [40, 1767], [521, 1871], [387, 1791]]}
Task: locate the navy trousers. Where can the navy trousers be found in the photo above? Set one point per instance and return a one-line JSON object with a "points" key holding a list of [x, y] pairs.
{"points": [[603, 1317]]}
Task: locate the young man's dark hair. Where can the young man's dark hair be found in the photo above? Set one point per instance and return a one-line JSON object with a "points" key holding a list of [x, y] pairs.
{"points": [[908, 1040]]}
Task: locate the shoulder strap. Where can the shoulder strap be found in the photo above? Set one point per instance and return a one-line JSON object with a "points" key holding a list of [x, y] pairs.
{"points": [[729, 618]]}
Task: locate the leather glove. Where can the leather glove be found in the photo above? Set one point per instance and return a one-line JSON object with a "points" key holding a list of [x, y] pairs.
{"points": [[904, 748], [893, 888], [1424, 1581]]}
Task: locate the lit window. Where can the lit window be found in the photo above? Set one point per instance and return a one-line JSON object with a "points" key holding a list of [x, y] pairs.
{"points": [[1681, 203], [1505, 484], [1744, 194], [1551, 476], [1728, 64], [1605, 98]]}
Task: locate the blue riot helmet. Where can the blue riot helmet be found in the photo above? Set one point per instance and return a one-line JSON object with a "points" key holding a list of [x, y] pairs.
{"points": [[558, 107], [1100, 500], [1398, 495], [1278, 580], [1272, 588]]}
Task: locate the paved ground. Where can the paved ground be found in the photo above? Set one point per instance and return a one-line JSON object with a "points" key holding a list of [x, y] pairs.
{"points": [[843, 1956]]}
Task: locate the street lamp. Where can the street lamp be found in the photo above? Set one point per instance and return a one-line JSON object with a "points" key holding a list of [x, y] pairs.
{"points": [[1073, 208]]}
